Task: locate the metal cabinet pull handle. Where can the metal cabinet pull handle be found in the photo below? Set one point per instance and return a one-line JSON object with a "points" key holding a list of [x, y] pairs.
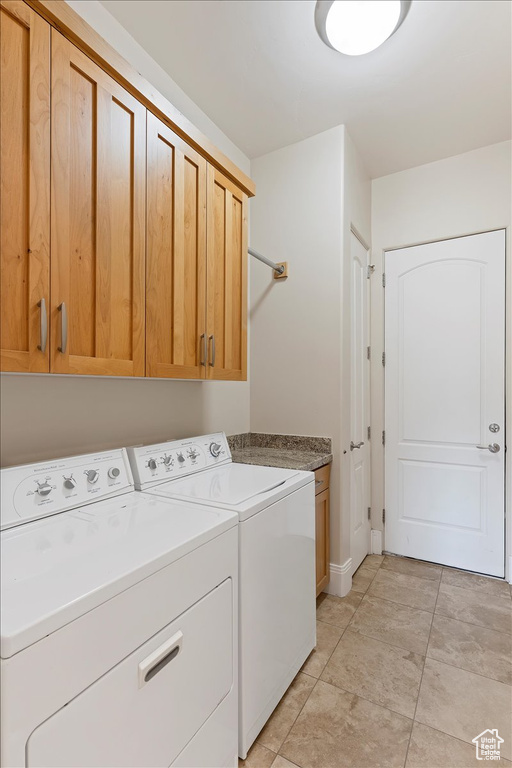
{"points": [[203, 343], [492, 447], [318, 483], [63, 327], [353, 446], [212, 339], [44, 325]]}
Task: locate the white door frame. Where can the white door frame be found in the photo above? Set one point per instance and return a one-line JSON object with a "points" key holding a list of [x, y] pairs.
{"points": [[377, 388]]}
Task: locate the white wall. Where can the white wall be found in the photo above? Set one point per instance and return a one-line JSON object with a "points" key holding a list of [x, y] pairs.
{"points": [[46, 416], [462, 195], [309, 193]]}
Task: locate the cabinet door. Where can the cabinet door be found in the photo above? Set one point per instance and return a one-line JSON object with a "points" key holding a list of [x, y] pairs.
{"points": [[176, 256], [322, 540], [226, 279], [25, 187], [98, 219]]}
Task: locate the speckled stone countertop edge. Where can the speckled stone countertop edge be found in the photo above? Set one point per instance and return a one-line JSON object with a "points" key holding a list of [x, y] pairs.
{"points": [[286, 451]]}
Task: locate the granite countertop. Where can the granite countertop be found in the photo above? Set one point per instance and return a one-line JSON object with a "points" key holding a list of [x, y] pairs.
{"points": [[287, 451]]}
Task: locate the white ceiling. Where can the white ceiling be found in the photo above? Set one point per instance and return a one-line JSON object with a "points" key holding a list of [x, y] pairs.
{"points": [[440, 86]]}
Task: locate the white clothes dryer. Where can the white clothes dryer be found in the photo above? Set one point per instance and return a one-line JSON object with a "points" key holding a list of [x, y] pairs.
{"points": [[118, 621], [276, 512]]}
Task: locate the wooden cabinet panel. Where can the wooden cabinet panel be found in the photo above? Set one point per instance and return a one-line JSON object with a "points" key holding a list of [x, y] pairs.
{"points": [[322, 540], [322, 517], [176, 256], [98, 217], [226, 318], [25, 186]]}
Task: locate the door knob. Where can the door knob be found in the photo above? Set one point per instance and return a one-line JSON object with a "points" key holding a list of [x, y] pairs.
{"points": [[353, 446], [492, 447]]}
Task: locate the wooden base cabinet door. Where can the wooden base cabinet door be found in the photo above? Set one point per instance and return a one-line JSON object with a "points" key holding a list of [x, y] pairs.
{"points": [[322, 540], [226, 279], [176, 256], [25, 188], [98, 219]]}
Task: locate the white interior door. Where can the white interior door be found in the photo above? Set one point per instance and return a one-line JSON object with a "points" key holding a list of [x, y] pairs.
{"points": [[359, 405], [445, 402]]}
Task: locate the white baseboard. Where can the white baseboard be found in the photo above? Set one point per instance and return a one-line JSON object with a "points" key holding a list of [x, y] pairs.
{"points": [[509, 575], [340, 583], [376, 542]]}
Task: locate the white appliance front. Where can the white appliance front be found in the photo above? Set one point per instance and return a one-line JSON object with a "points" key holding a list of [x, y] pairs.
{"points": [[119, 622], [276, 509]]}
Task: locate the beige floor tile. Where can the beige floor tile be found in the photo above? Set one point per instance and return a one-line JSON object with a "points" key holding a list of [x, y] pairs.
{"points": [[475, 608], [373, 561], [463, 704], [327, 636], [476, 649], [412, 568], [285, 714], [476, 583], [407, 590], [282, 762], [258, 757], [362, 579], [393, 623], [338, 610], [432, 749], [337, 729], [381, 673]]}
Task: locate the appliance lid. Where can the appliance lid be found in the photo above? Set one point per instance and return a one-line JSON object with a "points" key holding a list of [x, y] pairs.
{"points": [[231, 485], [56, 569]]}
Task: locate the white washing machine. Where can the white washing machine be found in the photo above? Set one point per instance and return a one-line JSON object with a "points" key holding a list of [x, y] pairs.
{"points": [[276, 511], [118, 621]]}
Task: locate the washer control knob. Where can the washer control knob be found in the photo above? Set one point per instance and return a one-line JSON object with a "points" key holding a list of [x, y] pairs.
{"points": [[168, 461], [92, 475], [215, 449], [180, 457], [193, 454], [69, 482], [114, 472], [44, 488], [152, 463]]}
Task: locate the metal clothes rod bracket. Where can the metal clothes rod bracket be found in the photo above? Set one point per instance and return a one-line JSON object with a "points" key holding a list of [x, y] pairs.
{"points": [[280, 269]]}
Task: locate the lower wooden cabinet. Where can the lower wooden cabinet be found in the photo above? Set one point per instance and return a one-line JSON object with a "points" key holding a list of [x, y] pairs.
{"points": [[322, 477]]}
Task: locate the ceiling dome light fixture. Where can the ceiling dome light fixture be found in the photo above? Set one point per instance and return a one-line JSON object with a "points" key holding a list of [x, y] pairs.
{"points": [[355, 27]]}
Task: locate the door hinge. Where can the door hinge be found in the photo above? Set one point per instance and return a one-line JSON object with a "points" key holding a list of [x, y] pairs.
{"points": [[368, 432], [383, 515], [383, 279], [369, 513], [370, 269], [368, 353], [383, 437], [384, 358]]}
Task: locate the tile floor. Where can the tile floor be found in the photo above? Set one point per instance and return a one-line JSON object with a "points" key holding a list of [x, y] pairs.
{"points": [[409, 667]]}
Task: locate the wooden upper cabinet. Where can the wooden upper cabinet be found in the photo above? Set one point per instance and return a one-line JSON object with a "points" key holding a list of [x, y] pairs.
{"points": [[25, 187], [98, 219], [176, 256], [226, 319]]}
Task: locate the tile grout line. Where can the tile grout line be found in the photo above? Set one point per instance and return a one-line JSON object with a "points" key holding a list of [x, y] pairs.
{"points": [[422, 673], [469, 671]]}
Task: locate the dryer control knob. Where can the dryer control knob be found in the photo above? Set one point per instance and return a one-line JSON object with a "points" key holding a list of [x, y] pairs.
{"points": [[215, 449], [114, 472], [180, 458], [92, 475], [69, 482], [44, 488], [152, 464]]}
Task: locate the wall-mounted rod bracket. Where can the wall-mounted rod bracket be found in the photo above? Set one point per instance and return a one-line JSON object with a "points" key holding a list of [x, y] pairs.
{"points": [[280, 269]]}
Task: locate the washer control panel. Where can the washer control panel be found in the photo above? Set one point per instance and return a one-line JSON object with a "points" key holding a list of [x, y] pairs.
{"points": [[37, 490], [165, 461]]}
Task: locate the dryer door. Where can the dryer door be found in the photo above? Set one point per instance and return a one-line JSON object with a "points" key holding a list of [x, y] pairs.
{"points": [[146, 709]]}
